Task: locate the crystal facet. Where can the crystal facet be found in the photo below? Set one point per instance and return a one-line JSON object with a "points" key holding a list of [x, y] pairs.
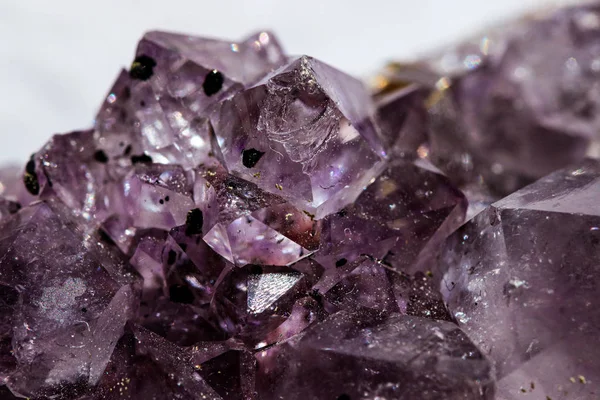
{"points": [[305, 132], [365, 356], [71, 311]]}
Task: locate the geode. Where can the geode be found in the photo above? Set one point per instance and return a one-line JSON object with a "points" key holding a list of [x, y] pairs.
{"points": [[243, 224]]}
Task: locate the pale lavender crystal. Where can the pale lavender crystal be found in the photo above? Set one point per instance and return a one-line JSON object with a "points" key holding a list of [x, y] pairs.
{"points": [[172, 80], [305, 132], [515, 105], [362, 355], [247, 225], [243, 62], [158, 196], [521, 279], [68, 168], [362, 284]]}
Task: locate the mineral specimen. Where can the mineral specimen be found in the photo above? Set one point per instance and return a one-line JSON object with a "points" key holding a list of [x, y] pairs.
{"points": [[241, 224], [228, 199]]}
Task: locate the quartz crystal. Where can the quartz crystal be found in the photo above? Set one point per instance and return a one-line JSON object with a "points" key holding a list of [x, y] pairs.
{"points": [[521, 279], [240, 224], [306, 131]]}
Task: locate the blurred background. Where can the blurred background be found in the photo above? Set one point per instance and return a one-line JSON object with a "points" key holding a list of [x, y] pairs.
{"points": [[59, 58]]}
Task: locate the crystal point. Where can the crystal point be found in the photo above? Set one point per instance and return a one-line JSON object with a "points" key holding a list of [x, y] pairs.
{"points": [[305, 132]]}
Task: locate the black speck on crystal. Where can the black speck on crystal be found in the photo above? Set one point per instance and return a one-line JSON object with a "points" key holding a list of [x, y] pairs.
{"points": [[30, 178], [141, 159], [251, 156], [341, 262], [13, 207], [100, 156], [213, 82], [256, 269], [343, 397], [194, 222], [104, 237], [181, 294], [171, 257], [30, 166], [142, 68]]}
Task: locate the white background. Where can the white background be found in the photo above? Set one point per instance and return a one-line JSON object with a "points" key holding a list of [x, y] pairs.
{"points": [[58, 58]]}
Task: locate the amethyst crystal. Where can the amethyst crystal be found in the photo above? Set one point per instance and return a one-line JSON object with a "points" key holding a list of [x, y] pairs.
{"points": [[240, 224], [306, 132], [70, 302], [521, 279]]}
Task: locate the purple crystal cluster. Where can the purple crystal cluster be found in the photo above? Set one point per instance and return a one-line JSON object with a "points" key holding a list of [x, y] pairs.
{"points": [[243, 224]]}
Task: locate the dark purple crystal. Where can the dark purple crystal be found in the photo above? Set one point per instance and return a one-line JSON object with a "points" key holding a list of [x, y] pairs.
{"points": [[366, 356]]}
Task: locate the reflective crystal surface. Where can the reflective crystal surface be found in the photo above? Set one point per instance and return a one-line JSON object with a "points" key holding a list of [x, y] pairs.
{"points": [[70, 311], [401, 217]]}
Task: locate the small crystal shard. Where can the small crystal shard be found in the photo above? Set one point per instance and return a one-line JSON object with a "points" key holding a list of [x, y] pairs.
{"points": [[400, 218], [251, 301], [247, 225]]}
